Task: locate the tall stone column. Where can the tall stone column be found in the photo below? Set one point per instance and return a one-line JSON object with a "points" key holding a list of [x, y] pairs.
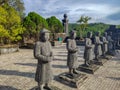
{"points": [[65, 24]]}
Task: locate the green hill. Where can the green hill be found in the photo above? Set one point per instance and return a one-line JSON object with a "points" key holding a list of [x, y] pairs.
{"points": [[93, 27]]}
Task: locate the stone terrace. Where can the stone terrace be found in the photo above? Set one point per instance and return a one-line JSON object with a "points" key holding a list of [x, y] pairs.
{"points": [[17, 71]]}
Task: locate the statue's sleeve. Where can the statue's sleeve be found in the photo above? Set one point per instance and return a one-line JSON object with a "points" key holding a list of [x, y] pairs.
{"points": [[87, 44], [37, 52], [69, 48], [51, 52], [106, 41], [97, 41]]}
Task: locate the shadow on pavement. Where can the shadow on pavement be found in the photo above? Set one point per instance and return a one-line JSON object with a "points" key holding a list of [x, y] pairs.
{"points": [[114, 78], [59, 66], [17, 73], [27, 64], [7, 88]]}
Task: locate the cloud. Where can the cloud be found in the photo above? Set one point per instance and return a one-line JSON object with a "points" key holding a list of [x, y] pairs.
{"points": [[115, 16], [100, 10]]}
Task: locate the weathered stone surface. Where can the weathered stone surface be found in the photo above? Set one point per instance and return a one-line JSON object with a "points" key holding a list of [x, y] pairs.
{"points": [[17, 70], [91, 69], [51, 88], [74, 82], [5, 50], [100, 62]]}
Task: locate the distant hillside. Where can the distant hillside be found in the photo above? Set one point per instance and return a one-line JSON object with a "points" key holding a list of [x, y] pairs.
{"points": [[94, 27]]}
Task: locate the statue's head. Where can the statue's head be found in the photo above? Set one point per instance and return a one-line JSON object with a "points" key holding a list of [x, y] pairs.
{"points": [[44, 35], [73, 34], [65, 15], [97, 33], [105, 34], [110, 33], [89, 35]]}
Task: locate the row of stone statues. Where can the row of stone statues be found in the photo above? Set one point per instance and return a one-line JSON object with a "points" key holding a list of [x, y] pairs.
{"points": [[102, 45], [43, 52]]}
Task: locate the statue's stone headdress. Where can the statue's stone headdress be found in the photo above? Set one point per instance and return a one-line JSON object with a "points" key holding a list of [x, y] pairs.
{"points": [[42, 32]]}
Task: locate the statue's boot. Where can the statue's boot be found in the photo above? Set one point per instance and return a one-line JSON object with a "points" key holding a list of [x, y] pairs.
{"points": [[40, 87], [87, 64], [75, 71], [47, 87]]}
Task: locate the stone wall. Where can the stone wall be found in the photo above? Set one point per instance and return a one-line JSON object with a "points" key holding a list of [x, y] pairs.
{"points": [[9, 49]]}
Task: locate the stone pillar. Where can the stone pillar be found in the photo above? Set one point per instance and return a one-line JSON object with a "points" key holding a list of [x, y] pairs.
{"points": [[65, 24]]}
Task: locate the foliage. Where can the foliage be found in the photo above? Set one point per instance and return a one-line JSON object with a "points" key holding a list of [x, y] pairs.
{"points": [[93, 27], [54, 24], [33, 24], [18, 5], [83, 21], [10, 24], [118, 26]]}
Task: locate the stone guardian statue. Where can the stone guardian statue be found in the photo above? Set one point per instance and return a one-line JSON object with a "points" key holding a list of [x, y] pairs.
{"points": [[97, 49], [104, 45], [88, 52], [110, 43], [72, 61], [43, 53]]}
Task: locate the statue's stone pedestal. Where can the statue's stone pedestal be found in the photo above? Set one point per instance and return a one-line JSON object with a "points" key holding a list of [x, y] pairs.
{"points": [[100, 62], [108, 57], [51, 88], [91, 69], [73, 82]]}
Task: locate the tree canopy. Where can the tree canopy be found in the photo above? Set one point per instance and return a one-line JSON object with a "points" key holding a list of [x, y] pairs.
{"points": [[93, 27], [18, 5], [33, 24], [10, 24], [54, 24], [83, 21]]}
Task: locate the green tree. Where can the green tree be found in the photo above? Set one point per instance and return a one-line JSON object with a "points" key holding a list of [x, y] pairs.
{"points": [[83, 21], [10, 23], [33, 24], [30, 27], [18, 5], [54, 24]]}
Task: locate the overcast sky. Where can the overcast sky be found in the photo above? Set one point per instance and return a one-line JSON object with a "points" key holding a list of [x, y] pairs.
{"points": [[106, 11]]}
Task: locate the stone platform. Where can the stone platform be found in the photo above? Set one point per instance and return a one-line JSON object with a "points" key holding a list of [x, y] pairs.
{"points": [[51, 88], [86, 69], [100, 62], [73, 82]]}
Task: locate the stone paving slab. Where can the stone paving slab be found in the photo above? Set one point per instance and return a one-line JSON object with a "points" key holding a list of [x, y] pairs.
{"points": [[17, 71]]}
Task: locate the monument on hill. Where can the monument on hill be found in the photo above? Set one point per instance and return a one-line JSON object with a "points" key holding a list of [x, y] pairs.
{"points": [[65, 24]]}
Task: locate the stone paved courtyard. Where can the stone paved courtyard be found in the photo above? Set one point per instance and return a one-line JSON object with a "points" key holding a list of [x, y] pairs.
{"points": [[17, 71]]}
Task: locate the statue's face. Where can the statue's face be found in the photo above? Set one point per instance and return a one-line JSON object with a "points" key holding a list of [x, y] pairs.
{"points": [[74, 35], [89, 35], [105, 34], [46, 36], [98, 34], [111, 33]]}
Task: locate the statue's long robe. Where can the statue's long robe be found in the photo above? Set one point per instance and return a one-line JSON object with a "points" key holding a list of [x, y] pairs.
{"points": [[110, 44], [104, 45], [88, 52], [72, 61], [98, 50], [43, 52]]}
